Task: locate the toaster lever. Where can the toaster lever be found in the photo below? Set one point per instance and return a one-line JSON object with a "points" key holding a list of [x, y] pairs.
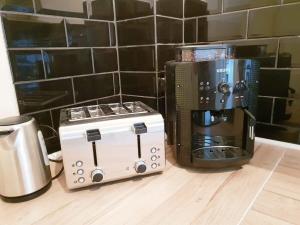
{"points": [[93, 135], [140, 128]]}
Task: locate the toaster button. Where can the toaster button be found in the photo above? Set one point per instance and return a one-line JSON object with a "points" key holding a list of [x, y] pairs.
{"points": [[79, 163], [153, 150], [93, 135], [81, 180], [80, 172], [140, 128], [154, 165], [154, 157]]}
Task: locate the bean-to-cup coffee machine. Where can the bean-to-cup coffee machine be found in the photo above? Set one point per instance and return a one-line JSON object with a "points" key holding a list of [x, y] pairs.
{"points": [[211, 104]]}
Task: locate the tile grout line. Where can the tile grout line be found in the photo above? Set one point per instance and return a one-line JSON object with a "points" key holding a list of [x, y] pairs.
{"points": [[277, 53], [93, 60], [117, 49], [44, 65], [73, 89], [272, 111], [261, 188], [66, 32], [34, 6], [247, 25], [156, 56]]}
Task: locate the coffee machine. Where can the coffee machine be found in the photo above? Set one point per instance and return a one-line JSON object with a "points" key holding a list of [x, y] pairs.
{"points": [[210, 106]]}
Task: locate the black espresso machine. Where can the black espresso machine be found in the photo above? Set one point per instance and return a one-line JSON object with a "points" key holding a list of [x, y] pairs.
{"points": [[210, 106]]}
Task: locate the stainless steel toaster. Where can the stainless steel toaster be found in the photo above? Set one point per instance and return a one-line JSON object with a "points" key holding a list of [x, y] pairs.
{"points": [[102, 143]]}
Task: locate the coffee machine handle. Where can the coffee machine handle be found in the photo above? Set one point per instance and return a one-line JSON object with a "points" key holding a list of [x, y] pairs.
{"points": [[251, 124]]}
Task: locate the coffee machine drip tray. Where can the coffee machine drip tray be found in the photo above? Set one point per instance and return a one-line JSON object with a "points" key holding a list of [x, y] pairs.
{"points": [[216, 148]]}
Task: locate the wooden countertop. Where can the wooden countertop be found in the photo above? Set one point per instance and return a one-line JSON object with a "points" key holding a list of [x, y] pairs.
{"points": [[266, 191]]}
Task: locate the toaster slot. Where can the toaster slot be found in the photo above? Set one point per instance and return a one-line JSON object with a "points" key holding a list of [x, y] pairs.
{"points": [[95, 153], [139, 146]]}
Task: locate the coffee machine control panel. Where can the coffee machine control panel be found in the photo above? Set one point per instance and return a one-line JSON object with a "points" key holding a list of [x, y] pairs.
{"points": [[223, 89]]}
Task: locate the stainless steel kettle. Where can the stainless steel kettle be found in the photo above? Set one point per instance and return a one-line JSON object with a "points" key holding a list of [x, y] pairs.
{"points": [[24, 165]]}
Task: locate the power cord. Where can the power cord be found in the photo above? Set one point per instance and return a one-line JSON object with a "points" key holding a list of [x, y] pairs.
{"points": [[60, 171]]}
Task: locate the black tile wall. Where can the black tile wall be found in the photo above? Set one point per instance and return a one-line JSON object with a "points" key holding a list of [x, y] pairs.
{"points": [[17, 5], [59, 63], [83, 33], [289, 53], [33, 31], [93, 87], [190, 31], [78, 8], [265, 109], [169, 30], [105, 60], [165, 53], [136, 32], [232, 5], [201, 8], [27, 65], [37, 96], [274, 21], [101, 9], [126, 9], [170, 8], [143, 84], [137, 59], [223, 27]]}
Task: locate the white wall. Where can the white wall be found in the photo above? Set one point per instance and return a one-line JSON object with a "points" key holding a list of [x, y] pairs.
{"points": [[8, 101]]}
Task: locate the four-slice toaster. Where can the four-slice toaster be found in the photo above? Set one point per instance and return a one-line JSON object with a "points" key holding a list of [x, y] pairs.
{"points": [[102, 143]]}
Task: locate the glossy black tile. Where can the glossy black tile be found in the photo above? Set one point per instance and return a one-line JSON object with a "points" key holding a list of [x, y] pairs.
{"points": [[265, 22], [222, 27], [17, 5], [33, 31], [136, 32], [190, 31], [169, 30], [137, 59], [169, 8], [202, 7], [264, 109], [101, 9], [26, 65], [262, 50], [278, 133], [161, 84], [113, 99], [280, 83], [289, 52], [45, 123], [59, 63], [152, 102], [161, 107], [92, 87], [139, 84], [44, 95], [116, 83], [165, 53], [77, 8], [133, 8], [287, 112], [232, 5], [105, 60], [83, 33]]}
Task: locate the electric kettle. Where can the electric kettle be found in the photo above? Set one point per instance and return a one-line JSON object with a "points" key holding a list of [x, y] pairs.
{"points": [[24, 165]]}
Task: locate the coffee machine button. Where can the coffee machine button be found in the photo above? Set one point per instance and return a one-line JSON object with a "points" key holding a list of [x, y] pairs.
{"points": [[140, 167], [80, 172], [81, 180], [79, 163], [97, 176], [224, 88]]}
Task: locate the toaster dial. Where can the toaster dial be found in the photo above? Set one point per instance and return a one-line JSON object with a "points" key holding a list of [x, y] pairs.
{"points": [[140, 167], [97, 176]]}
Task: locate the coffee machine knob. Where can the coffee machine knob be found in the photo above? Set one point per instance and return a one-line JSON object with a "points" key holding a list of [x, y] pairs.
{"points": [[97, 175], [140, 167], [224, 88]]}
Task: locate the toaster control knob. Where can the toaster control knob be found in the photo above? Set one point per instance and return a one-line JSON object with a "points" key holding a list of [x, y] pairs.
{"points": [[140, 167], [224, 88], [97, 176]]}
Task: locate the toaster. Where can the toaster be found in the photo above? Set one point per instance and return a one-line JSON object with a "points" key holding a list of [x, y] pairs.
{"points": [[108, 142]]}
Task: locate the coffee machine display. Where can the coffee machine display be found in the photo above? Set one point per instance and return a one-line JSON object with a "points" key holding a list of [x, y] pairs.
{"points": [[211, 103]]}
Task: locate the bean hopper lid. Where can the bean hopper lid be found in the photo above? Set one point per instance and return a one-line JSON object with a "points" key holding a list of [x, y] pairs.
{"points": [[199, 53], [10, 121]]}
